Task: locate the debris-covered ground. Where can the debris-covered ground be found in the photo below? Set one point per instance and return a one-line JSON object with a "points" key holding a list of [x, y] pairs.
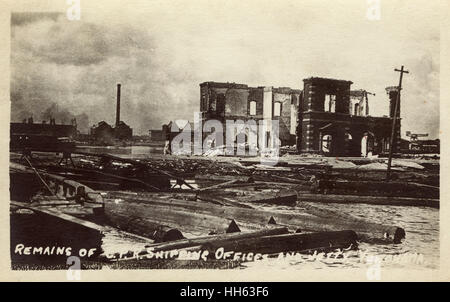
{"points": [[167, 198]]}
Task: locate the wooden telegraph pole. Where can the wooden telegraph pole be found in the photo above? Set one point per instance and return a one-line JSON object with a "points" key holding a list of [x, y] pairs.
{"points": [[394, 119]]}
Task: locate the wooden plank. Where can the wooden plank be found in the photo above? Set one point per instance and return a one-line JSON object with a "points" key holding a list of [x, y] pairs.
{"points": [[89, 194], [283, 197], [151, 220], [201, 216], [60, 215], [283, 243], [223, 178], [137, 163], [219, 186], [378, 200], [216, 239]]}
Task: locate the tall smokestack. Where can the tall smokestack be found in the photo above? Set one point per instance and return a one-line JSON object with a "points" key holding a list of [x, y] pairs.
{"points": [[118, 106]]}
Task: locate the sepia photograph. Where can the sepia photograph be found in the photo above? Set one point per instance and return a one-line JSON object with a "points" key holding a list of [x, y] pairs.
{"points": [[224, 136]]}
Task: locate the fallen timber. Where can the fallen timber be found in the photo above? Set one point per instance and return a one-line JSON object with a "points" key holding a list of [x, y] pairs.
{"points": [[108, 179], [204, 217], [378, 188], [257, 245], [340, 181], [216, 239], [154, 221], [216, 208], [237, 195], [108, 157], [59, 185], [58, 214], [283, 197], [377, 200], [310, 223], [368, 192], [37, 228], [287, 243]]}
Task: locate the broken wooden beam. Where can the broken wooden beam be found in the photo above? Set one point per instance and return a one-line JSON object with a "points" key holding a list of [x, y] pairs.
{"points": [[283, 197], [297, 242], [378, 200], [219, 186], [136, 163], [58, 214], [201, 217], [379, 188], [217, 239], [62, 186], [212, 177], [142, 225], [145, 219]]}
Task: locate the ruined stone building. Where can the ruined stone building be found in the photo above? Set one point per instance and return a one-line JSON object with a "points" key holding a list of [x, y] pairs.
{"points": [[326, 117], [230, 101]]}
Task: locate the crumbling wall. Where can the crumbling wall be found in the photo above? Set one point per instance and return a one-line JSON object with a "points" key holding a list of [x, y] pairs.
{"points": [[316, 122], [285, 96], [256, 95], [236, 102]]}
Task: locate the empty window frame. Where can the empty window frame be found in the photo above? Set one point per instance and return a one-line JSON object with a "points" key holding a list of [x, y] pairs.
{"points": [[330, 103], [253, 108], [277, 109], [357, 111], [326, 143]]}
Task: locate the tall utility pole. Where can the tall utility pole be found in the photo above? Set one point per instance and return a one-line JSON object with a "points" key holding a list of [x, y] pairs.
{"points": [[394, 119]]}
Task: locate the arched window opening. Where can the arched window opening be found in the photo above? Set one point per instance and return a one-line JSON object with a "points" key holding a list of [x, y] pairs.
{"points": [[326, 143]]}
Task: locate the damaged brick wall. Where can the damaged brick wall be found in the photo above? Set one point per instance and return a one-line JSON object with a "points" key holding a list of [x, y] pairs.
{"points": [[337, 133], [285, 97], [230, 101]]}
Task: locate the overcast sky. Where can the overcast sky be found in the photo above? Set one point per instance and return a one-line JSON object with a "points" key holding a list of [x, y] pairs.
{"points": [[162, 50]]}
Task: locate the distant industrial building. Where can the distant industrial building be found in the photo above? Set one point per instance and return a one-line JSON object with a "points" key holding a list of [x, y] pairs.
{"points": [[28, 127], [102, 133], [45, 136], [105, 134]]}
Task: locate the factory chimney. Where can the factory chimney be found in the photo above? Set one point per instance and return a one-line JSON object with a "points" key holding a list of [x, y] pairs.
{"points": [[118, 106]]}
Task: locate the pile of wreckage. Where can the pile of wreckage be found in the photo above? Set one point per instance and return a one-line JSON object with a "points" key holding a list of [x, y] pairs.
{"points": [[190, 204]]}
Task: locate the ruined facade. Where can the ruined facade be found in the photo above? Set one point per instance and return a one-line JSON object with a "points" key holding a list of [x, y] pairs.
{"points": [[326, 117], [330, 126], [231, 101]]}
